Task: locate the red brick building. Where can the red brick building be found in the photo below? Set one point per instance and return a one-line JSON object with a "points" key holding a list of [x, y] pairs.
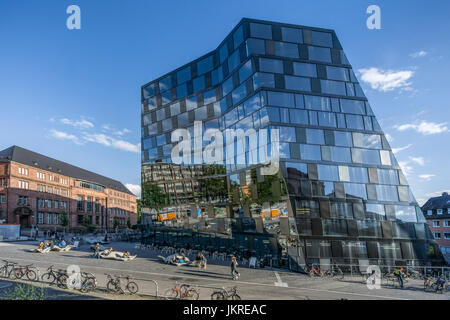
{"points": [[36, 190], [437, 212]]}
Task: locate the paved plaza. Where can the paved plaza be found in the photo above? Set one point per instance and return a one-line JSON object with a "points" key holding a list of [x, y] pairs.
{"points": [[255, 284]]}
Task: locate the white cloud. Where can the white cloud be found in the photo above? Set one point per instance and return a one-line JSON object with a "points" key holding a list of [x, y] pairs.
{"points": [[82, 124], [418, 160], [424, 127], [65, 136], [135, 188], [396, 150], [426, 176], [122, 132], [108, 141], [386, 80], [418, 54]]}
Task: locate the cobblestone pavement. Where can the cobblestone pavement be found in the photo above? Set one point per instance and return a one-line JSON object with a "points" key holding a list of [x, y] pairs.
{"points": [[257, 284]]}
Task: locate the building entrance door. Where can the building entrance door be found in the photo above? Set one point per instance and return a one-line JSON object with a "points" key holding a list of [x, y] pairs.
{"points": [[25, 221]]}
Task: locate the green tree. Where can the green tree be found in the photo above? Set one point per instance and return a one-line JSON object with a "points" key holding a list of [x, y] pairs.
{"points": [[64, 220], [115, 222], [138, 207], [154, 197], [25, 292], [85, 221], [129, 223]]}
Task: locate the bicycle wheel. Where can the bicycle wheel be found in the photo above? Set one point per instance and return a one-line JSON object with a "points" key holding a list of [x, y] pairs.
{"points": [[132, 287], [62, 281], [112, 287], [235, 296], [311, 273], [48, 277], [31, 275], [88, 285], [16, 274], [171, 294], [191, 294], [217, 296]]}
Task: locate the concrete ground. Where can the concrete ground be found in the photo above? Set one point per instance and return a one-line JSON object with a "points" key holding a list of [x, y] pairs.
{"points": [[256, 284]]}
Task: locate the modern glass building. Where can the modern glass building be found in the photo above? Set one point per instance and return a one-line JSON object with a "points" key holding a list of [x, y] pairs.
{"points": [[339, 194]]}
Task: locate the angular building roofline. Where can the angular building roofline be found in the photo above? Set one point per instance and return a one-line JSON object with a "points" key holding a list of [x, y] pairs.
{"points": [[243, 20], [39, 161]]}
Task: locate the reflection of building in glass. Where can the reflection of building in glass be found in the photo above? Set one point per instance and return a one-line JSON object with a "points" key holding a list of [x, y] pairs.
{"points": [[339, 193]]}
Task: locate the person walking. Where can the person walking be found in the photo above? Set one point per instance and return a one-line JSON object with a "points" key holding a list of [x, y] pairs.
{"points": [[398, 272], [97, 251], [234, 272]]}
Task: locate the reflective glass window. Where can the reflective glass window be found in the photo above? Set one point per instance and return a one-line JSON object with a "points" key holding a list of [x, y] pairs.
{"points": [[227, 86], [261, 79], [161, 139], [284, 115], [333, 87], [337, 73], [315, 136], [340, 154], [358, 174], [322, 39], [152, 128], [199, 83], [298, 116], [405, 213], [334, 228], [297, 83], [181, 91], [149, 91], [284, 150], [270, 65], [317, 103], [175, 109], [239, 93], [209, 96], [223, 52], [184, 75], [259, 30], [375, 211], [200, 113], [252, 104], [305, 69], [386, 176], [355, 190], [310, 152], [165, 83], [183, 120], [274, 114], [245, 71], [191, 103], [299, 101], [281, 99], [365, 156], [151, 103], [341, 210], [160, 114], [217, 76], [233, 60], [370, 141], [301, 167], [386, 193], [350, 89], [147, 119], [205, 65], [238, 37], [369, 228], [287, 134], [352, 106], [231, 117], [255, 46], [343, 139], [329, 173], [313, 118], [167, 124], [166, 97], [354, 122], [292, 35], [285, 49], [327, 119], [359, 91], [319, 54]]}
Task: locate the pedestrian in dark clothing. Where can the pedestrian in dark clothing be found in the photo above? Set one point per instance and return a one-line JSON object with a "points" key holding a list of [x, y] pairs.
{"points": [[97, 251], [398, 272]]}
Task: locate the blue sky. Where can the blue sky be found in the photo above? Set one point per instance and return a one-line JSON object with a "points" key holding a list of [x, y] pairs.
{"points": [[75, 94]]}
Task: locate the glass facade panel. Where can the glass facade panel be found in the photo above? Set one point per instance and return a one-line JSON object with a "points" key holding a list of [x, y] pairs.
{"points": [[305, 69], [319, 54], [292, 34], [284, 49], [270, 65]]}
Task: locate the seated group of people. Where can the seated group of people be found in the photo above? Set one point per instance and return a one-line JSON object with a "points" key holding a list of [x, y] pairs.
{"points": [[49, 244]]}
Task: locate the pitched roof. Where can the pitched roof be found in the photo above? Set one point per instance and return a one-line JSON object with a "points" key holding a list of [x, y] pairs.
{"points": [[440, 202], [40, 161]]}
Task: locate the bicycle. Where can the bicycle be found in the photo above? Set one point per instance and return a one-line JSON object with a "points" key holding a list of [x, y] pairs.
{"points": [[6, 269], [225, 295], [114, 285], [315, 272], [89, 282], [438, 286], [182, 292], [334, 272], [18, 272]]}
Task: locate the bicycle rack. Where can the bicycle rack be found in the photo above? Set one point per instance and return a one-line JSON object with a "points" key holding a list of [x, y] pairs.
{"points": [[203, 286], [150, 280]]}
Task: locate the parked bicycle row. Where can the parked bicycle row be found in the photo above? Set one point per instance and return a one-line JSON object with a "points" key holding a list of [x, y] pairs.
{"points": [[117, 284]]}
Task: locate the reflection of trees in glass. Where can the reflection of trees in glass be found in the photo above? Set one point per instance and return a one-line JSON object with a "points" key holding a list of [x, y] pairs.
{"points": [[213, 187], [154, 197], [265, 188]]}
